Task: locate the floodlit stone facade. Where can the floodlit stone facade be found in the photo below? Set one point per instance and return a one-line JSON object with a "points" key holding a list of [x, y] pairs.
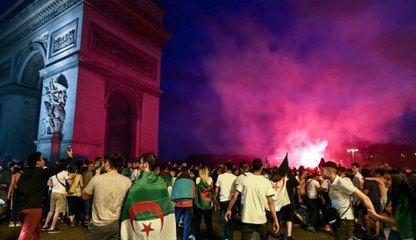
{"points": [[84, 73]]}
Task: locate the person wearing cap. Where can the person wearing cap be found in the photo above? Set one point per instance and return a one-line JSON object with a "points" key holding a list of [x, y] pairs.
{"points": [[340, 192]]}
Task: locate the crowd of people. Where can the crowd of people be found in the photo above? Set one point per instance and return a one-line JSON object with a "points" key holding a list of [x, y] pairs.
{"points": [[144, 199]]}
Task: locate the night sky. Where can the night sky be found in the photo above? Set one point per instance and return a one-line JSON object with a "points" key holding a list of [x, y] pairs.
{"points": [[269, 77], [273, 76]]}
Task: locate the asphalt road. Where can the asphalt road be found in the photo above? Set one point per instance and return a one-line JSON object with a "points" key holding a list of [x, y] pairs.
{"points": [[78, 233]]}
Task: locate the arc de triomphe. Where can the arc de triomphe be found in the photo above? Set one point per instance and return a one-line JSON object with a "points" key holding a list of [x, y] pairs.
{"points": [[84, 73]]}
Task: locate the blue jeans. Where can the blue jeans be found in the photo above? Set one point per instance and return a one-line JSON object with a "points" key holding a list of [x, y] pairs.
{"points": [[187, 219], [87, 207], [226, 227]]}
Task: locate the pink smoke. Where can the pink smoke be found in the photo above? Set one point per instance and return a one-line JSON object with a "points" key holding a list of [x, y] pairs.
{"points": [[340, 74]]}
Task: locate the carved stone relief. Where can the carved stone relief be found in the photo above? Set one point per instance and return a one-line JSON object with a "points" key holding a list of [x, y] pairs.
{"points": [[55, 97], [64, 38], [43, 40], [54, 9]]}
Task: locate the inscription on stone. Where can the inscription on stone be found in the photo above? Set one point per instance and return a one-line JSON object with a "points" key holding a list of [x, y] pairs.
{"points": [[64, 38], [110, 45]]}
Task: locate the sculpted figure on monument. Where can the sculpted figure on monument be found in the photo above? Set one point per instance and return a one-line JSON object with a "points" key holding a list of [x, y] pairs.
{"points": [[55, 103]]}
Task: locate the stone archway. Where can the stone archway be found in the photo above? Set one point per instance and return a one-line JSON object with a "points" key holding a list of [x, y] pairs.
{"points": [[27, 106], [119, 126]]}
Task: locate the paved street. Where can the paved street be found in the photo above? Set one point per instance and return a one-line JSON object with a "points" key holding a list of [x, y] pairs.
{"points": [[77, 233]]}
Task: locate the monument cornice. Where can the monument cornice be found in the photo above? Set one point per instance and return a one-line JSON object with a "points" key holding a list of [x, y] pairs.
{"points": [[141, 25], [111, 46], [64, 65], [44, 16], [125, 79]]}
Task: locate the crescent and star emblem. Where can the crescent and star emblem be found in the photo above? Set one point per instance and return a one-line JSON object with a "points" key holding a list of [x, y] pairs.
{"points": [[146, 206]]}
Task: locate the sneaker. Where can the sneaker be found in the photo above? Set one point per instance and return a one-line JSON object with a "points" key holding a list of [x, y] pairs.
{"points": [[18, 224], [310, 229], [12, 224], [290, 238], [55, 230], [281, 236], [72, 225], [191, 237], [45, 228]]}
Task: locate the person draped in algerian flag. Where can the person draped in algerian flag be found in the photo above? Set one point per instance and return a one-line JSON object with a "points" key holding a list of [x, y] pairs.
{"points": [[284, 208], [203, 202], [148, 212]]}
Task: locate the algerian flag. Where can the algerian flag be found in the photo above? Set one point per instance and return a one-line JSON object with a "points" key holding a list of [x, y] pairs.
{"points": [[204, 195], [148, 212]]}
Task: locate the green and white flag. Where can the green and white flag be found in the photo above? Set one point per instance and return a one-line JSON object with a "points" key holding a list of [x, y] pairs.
{"points": [[148, 211]]}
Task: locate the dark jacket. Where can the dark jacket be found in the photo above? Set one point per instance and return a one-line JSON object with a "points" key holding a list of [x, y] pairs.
{"points": [[33, 183]]}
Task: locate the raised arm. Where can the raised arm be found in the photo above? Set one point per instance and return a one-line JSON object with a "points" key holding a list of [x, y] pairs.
{"points": [[59, 167], [364, 198]]}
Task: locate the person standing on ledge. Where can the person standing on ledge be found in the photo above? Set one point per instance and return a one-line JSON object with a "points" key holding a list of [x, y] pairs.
{"points": [[30, 190]]}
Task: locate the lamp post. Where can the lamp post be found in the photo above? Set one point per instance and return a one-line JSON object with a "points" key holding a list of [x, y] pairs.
{"points": [[352, 151]]}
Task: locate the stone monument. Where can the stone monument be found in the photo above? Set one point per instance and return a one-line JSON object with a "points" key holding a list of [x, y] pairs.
{"points": [[84, 73]]}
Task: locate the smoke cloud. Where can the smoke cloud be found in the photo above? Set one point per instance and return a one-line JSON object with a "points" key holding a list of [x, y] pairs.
{"points": [[327, 74]]}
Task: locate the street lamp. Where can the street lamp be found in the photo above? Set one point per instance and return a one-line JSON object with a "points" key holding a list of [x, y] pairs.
{"points": [[352, 151]]}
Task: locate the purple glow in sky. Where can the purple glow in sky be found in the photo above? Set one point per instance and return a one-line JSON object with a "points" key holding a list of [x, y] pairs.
{"points": [[272, 77]]}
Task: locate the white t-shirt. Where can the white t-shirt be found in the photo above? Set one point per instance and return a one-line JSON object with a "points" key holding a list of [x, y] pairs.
{"points": [[325, 184], [57, 187], [239, 179], [134, 175], [312, 187], [340, 193], [109, 191], [281, 196], [358, 182], [225, 182], [198, 180], [255, 190]]}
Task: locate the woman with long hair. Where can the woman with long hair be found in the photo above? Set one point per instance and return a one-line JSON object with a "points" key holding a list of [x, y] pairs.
{"points": [[400, 209], [203, 201], [75, 203], [12, 196]]}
